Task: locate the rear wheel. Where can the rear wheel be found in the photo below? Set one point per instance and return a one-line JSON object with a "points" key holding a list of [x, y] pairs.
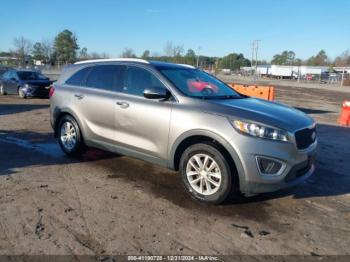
{"points": [[69, 136], [206, 173]]}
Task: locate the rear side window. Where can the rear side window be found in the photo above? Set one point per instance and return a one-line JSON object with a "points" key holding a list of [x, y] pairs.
{"points": [[78, 78], [106, 77], [6, 75]]}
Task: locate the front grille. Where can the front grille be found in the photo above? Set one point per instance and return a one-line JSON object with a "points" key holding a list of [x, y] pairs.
{"points": [[41, 91], [305, 137]]}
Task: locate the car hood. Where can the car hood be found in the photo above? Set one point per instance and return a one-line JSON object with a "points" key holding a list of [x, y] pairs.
{"points": [[38, 83], [262, 111]]}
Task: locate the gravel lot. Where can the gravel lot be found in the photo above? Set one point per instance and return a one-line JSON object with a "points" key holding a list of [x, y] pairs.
{"points": [[111, 204]]}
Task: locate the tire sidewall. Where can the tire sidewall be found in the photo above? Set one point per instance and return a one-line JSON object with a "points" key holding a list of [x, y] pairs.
{"points": [[226, 177], [77, 149]]}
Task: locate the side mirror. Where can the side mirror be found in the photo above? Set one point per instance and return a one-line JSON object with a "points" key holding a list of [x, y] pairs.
{"points": [[13, 79], [156, 92]]}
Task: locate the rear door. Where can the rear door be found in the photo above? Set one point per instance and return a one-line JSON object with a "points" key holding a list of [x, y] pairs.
{"points": [[12, 83], [5, 79], [94, 102], [142, 124]]}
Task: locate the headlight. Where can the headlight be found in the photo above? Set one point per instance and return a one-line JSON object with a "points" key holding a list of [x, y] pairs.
{"points": [[27, 86], [258, 130]]}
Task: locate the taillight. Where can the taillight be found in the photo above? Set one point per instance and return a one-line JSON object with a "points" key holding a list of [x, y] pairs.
{"points": [[52, 91]]}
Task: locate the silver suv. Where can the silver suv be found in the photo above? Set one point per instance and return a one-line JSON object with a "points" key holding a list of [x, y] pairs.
{"points": [[182, 118]]}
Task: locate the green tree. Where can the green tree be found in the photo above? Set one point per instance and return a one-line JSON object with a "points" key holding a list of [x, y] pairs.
{"points": [[38, 52], [146, 54], [83, 54], [233, 61], [321, 59], [285, 58], [65, 47], [190, 53], [190, 57]]}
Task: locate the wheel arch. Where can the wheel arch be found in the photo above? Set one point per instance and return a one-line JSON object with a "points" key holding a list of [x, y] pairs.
{"points": [[197, 136], [59, 114]]}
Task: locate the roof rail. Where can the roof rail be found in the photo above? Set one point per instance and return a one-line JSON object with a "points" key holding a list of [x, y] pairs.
{"points": [[189, 66], [113, 60]]}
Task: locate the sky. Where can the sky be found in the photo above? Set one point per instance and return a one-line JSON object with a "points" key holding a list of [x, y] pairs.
{"points": [[216, 27]]}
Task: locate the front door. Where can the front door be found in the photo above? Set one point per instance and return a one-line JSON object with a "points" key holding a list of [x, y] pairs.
{"points": [[142, 124]]}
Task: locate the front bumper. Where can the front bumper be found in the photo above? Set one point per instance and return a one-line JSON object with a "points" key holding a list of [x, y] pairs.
{"points": [[299, 164], [261, 187]]}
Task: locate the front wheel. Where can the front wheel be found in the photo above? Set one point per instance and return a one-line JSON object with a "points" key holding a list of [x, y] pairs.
{"points": [[69, 136], [2, 90], [21, 93], [206, 173]]}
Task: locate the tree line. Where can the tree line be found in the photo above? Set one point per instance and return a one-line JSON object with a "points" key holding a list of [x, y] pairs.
{"points": [[64, 49], [320, 59]]}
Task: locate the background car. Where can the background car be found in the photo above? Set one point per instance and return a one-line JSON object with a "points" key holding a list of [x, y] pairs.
{"points": [[25, 83], [3, 69]]}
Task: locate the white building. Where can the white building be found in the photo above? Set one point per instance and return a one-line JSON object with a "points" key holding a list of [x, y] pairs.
{"points": [[290, 71]]}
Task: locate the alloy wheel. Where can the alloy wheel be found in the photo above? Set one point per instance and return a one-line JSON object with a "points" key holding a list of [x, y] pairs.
{"points": [[68, 135], [203, 174], [21, 93]]}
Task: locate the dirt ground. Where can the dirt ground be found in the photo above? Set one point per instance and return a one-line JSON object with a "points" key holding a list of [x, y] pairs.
{"points": [[110, 204]]}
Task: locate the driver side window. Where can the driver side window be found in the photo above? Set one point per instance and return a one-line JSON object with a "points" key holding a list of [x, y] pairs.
{"points": [[138, 79]]}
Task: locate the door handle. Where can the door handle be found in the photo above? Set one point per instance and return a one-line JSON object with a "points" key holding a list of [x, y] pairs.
{"points": [[79, 96], [122, 104]]}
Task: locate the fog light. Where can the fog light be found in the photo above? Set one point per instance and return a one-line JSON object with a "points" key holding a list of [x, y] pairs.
{"points": [[268, 166]]}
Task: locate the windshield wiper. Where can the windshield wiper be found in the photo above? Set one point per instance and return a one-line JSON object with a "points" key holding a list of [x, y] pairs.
{"points": [[219, 97], [228, 97]]}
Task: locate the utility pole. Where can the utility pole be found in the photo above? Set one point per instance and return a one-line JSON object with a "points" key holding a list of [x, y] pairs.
{"points": [[256, 55], [255, 49]]}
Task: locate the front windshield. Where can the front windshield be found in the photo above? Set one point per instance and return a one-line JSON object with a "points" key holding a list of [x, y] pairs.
{"points": [[30, 75], [2, 71], [196, 83]]}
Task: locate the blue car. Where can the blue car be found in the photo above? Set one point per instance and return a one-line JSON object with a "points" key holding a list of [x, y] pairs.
{"points": [[25, 83]]}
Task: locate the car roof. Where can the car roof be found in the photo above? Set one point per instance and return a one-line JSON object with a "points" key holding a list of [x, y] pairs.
{"points": [[112, 60], [156, 64]]}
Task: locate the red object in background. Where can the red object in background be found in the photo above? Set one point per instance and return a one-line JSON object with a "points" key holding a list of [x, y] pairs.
{"points": [[199, 86], [51, 91], [309, 77], [344, 118]]}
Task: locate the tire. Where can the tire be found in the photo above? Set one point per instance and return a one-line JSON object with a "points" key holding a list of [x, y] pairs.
{"points": [[73, 144], [215, 193], [21, 94], [2, 90]]}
